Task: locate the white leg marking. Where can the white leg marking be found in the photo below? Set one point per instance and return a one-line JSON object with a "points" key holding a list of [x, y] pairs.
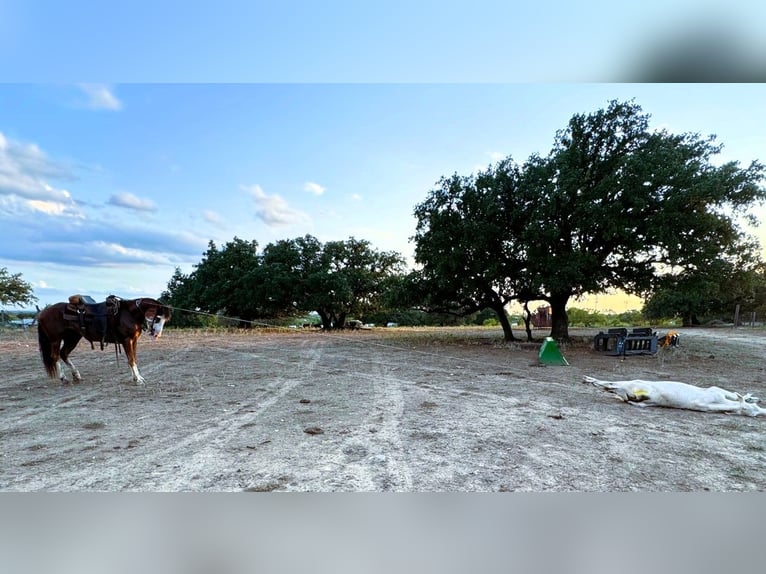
{"points": [[75, 373], [60, 371], [137, 378]]}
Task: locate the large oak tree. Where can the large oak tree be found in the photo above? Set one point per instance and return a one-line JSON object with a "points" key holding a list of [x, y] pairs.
{"points": [[613, 205], [466, 262]]}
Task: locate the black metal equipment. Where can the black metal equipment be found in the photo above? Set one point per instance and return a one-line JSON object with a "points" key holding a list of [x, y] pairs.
{"points": [[618, 342]]}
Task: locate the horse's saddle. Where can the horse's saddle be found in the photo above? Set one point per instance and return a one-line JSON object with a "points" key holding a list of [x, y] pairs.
{"points": [[90, 316]]}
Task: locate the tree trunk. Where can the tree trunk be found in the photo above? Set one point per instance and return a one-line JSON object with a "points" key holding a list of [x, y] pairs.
{"points": [[527, 320], [559, 317], [326, 319], [504, 322]]}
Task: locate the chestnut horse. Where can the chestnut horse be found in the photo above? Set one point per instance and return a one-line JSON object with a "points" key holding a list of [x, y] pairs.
{"points": [[120, 321]]}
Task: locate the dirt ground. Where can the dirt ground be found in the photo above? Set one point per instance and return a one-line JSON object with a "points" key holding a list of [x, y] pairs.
{"points": [[452, 410]]}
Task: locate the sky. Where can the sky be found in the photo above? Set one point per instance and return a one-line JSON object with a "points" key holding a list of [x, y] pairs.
{"points": [[381, 40], [132, 135], [110, 188]]}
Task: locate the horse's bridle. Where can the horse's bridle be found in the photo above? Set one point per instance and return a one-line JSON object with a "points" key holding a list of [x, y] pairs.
{"points": [[156, 319]]}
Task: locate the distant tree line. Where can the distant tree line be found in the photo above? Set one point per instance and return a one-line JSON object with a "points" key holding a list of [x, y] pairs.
{"points": [[336, 280]]}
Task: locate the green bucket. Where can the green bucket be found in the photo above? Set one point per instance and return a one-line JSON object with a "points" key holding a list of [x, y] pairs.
{"points": [[550, 353]]}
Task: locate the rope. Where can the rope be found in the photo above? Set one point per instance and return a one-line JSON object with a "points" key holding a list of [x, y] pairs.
{"points": [[344, 338], [196, 312]]}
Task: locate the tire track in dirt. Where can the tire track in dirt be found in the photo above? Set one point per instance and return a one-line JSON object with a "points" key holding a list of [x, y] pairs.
{"points": [[400, 399], [65, 421], [200, 453], [361, 447], [72, 395], [196, 455], [386, 465]]}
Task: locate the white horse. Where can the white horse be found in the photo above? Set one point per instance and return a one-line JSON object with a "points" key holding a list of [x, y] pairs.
{"points": [[681, 396]]}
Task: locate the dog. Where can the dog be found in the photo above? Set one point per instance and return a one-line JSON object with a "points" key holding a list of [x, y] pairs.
{"points": [[677, 395]]}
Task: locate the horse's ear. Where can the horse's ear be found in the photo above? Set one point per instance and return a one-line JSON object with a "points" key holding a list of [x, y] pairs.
{"points": [[162, 309]]}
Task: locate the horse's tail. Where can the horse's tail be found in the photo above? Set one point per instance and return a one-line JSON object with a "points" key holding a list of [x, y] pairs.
{"points": [[46, 352]]}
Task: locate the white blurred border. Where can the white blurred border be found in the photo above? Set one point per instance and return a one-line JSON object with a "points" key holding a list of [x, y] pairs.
{"points": [[380, 533]]}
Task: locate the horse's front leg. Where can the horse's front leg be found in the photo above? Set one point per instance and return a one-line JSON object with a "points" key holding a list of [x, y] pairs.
{"points": [[130, 352]]}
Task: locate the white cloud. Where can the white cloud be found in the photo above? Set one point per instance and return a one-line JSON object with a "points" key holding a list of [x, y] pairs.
{"points": [[496, 156], [212, 217], [314, 188], [356, 197], [119, 253], [24, 169], [48, 207], [129, 201], [15, 208], [24, 189], [272, 209], [100, 97]]}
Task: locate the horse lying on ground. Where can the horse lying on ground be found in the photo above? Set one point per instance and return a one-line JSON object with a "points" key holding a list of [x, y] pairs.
{"points": [[680, 396], [61, 326]]}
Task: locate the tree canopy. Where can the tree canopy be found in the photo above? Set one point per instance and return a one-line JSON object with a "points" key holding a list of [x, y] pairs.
{"points": [[14, 290], [292, 276], [461, 245], [712, 292], [613, 205]]}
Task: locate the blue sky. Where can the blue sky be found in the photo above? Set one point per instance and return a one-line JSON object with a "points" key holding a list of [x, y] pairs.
{"points": [[107, 188], [373, 40]]}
